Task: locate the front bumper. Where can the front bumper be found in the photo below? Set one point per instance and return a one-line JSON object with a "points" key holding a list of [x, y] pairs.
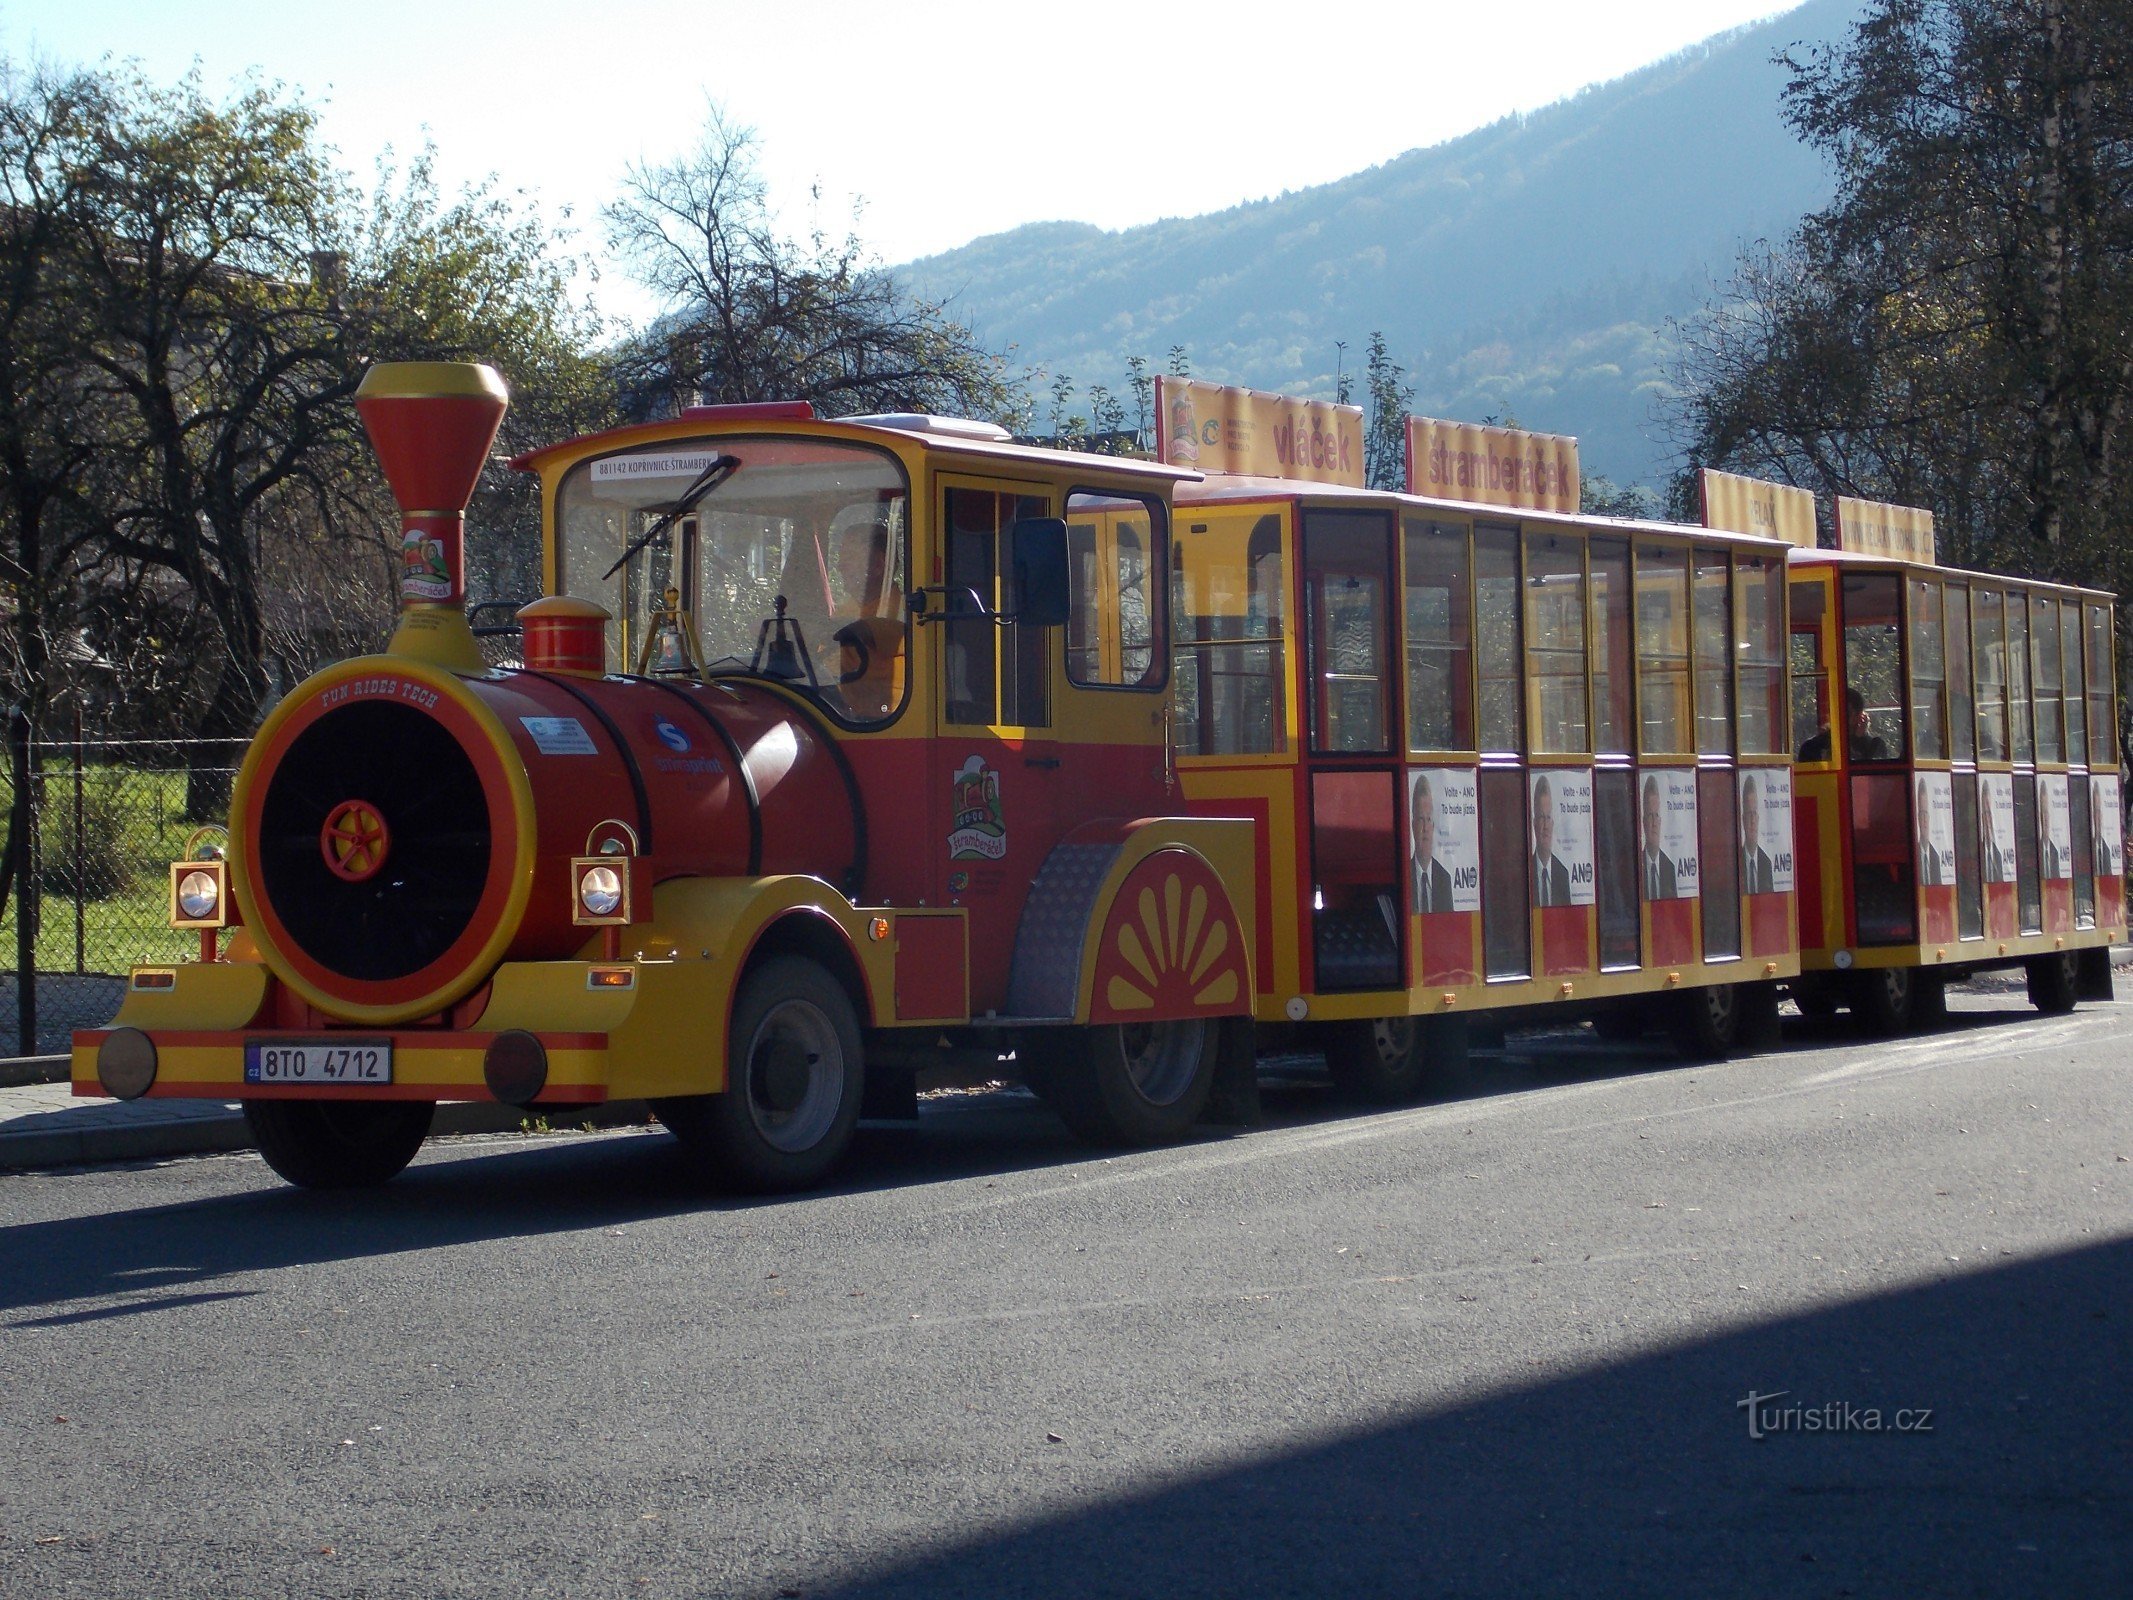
{"points": [[661, 1034]]}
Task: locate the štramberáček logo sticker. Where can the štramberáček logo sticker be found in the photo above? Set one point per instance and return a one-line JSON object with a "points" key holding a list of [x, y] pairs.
{"points": [[979, 829]]}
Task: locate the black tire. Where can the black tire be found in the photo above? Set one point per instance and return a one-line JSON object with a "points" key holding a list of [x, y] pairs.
{"points": [[1379, 1062], [795, 1078], [2053, 982], [1131, 1084], [1704, 1022], [1880, 1000], [338, 1144]]}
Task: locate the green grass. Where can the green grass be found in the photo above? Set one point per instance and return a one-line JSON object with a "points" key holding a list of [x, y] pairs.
{"points": [[134, 828]]}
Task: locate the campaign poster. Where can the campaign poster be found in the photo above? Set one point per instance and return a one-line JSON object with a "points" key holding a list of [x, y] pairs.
{"points": [[2055, 816], [1766, 832], [1562, 838], [1996, 808], [1933, 811], [1444, 838], [2110, 825], [1666, 834]]}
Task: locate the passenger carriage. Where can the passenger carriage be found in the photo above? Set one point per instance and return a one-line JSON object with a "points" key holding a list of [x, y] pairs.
{"points": [[1959, 804]]}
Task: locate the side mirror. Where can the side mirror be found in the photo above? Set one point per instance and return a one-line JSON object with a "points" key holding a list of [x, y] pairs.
{"points": [[1041, 588]]}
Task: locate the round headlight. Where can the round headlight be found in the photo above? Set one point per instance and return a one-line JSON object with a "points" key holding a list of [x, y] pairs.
{"points": [[600, 891], [198, 895]]}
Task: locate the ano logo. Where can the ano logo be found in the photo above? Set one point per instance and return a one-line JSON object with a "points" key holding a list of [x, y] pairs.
{"points": [[670, 736]]}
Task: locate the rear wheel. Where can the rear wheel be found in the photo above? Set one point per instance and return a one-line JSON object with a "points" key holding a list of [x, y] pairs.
{"points": [[1379, 1061], [1705, 1022], [2053, 982], [338, 1144], [1881, 1000], [794, 1081], [1139, 1083]]}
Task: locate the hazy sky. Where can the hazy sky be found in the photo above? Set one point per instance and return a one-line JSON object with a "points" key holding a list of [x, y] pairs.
{"points": [[952, 118]]}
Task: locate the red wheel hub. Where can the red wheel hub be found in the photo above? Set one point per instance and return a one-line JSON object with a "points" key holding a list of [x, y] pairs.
{"points": [[354, 841]]}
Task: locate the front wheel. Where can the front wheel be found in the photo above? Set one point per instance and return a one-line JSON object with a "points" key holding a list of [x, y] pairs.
{"points": [[338, 1144], [794, 1081], [1135, 1083], [2054, 982]]}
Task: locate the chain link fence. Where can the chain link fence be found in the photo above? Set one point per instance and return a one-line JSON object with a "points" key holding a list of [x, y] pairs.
{"points": [[107, 817]]}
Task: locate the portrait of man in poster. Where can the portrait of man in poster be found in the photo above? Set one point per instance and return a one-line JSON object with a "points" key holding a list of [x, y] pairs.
{"points": [[1432, 882], [1758, 873], [1551, 879], [1659, 880]]}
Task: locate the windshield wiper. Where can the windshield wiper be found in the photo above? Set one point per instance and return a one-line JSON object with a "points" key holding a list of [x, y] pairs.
{"points": [[721, 468]]}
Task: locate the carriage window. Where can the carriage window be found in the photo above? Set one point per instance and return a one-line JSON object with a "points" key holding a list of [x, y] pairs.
{"points": [[1506, 874], [1929, 726], [2084, 850], [1760, 592], [1810, 676], [1989, 657], [1969, 865], [1115, 611], [1496, 635], [995, 674], [1613, 681], [1555, 642], [2103, 723], [1873, 663], [2029, 866], [1230, 668], [1718, 830], [1962, 709], [2077, 735], [1614, 828], [1714, 656], [1440, 663], [1346, 587], [1663, 649], [2023, 726], [2044, 657]]}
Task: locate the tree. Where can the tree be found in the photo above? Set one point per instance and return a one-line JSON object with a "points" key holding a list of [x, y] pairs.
{"points": [[1385, 440], [210, 296], [1951, 331], [748, 313]]}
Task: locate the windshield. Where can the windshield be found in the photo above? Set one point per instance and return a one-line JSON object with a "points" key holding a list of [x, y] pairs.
{"points": [[821, 523]]}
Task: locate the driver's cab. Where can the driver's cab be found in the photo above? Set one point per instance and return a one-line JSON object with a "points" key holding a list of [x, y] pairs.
{"points": [[780, 555]]}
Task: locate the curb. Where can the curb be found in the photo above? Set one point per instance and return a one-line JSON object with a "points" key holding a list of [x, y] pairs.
{"points": [[217, 1129], [18, 1072]]}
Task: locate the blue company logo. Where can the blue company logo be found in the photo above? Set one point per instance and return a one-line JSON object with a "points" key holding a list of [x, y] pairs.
{"points": [[670, 736]]}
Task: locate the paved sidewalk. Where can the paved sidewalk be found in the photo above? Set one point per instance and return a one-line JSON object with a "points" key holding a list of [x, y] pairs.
{"points": [[44, 1125]]}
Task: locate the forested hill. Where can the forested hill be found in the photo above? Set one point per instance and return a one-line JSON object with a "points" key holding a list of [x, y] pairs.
{"points": [[1525, 270]]}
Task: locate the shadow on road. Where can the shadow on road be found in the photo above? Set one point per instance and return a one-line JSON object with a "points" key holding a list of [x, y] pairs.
{"points": [[1641, 1477]]}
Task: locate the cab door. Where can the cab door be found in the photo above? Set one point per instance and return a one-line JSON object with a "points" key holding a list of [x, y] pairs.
{"points": [[994, 768]]}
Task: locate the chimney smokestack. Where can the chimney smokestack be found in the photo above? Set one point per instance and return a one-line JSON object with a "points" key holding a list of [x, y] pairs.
{"points": [[431, 423]]}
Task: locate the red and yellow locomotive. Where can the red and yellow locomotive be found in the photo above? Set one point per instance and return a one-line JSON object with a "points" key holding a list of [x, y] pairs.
{"points": [[867, 760]]}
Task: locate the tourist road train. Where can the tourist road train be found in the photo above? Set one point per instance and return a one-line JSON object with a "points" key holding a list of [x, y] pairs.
{"points": [[842, 748]]}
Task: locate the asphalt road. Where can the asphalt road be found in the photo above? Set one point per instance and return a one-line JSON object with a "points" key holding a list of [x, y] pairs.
{"points": [[1493, 1346]]}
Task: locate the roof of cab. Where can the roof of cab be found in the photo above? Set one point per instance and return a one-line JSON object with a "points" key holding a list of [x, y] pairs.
{"points": [[712, 421]]}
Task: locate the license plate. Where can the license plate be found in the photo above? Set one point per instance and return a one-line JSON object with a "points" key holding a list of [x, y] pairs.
{"points": [[357, 1061]]}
